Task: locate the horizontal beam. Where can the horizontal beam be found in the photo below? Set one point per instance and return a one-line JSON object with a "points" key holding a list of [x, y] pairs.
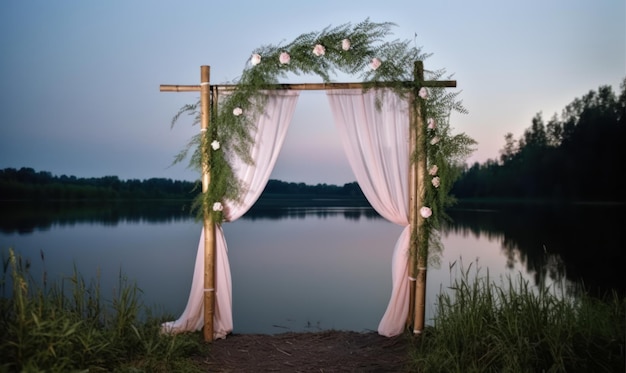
{"points": [[179, 88], [308, 86]]}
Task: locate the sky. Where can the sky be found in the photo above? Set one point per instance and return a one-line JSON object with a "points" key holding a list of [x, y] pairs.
{"points": [[79, 80]]}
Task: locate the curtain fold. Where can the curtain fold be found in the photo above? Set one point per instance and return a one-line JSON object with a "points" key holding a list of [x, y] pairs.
{"points": [[271, 129], [374, 132]]}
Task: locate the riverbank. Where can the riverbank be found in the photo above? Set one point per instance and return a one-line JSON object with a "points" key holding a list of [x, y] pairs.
{"points": [[327, 351]]}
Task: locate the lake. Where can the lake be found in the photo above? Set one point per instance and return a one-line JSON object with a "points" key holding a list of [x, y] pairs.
{"points": [[310, 269]]}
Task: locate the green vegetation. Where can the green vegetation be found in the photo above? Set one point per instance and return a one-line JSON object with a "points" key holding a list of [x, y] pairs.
{"points": [[479, 326], [69, 326], [483, 326], [577, 157]]}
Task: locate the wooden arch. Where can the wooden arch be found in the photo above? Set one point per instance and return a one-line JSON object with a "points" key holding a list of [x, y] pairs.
{"points": [[417, 191]]}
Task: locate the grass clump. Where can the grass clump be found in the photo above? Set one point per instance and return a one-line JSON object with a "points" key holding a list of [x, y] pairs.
{"points": [[481, 326], [69, 327]]}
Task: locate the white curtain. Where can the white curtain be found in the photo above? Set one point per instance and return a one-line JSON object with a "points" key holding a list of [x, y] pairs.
{"points": [[271, 129], [376, 142]]}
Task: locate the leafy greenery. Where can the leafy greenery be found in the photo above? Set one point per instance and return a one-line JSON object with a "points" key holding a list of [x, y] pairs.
{"points": [[447, 155], [360, 50]]}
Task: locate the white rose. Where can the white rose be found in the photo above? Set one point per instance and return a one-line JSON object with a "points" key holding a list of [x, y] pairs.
{"points": [[215, 145], [319, 50], [255, 59], [433, 170], [434, 140], [432, 124], [375, 63], [436, 181], [284, 58], [237, 111], [345, 44], [217, 206], [426, 212]]}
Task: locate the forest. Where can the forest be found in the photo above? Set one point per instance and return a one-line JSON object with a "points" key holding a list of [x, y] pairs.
{"points": [[28, 184], [579, 155]]}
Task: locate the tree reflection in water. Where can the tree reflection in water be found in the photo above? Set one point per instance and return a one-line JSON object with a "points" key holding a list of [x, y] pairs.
{"points": [[579, 243]]}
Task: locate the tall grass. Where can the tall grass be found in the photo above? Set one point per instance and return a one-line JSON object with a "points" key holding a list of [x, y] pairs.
{"points": [[69, 326], [511, 326]]}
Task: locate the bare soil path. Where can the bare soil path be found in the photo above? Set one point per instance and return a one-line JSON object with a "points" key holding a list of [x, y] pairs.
{"points": [[327, 351]]}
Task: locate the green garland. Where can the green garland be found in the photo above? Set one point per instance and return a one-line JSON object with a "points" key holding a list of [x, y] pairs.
{"points": [[359, 50]]}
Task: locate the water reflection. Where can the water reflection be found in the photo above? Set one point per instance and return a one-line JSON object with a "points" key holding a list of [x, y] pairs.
{"points": [[349, 213], [581, 243], [317, 272], [315, 267], [26, 217]]}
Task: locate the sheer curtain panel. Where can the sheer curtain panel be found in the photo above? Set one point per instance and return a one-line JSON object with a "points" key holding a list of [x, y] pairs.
{"points": [[271, 129], [376, 141]]}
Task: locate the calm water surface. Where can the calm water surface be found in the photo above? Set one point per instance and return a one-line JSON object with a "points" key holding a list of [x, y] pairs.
{"points": [[297, 269]]}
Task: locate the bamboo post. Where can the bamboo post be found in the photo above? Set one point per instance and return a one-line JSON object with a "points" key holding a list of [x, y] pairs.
{"points": [[420, 238], [209, 226]]}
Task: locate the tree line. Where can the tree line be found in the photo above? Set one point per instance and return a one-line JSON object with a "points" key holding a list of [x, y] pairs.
{"points": [[27, 184], [278, 187], [578, 156]]}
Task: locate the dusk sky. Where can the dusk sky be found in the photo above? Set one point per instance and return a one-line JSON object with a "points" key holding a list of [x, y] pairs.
{"points": [[79, 80]]}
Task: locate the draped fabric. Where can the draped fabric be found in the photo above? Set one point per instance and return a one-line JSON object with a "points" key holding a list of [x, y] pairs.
{"points": [[271, 129], [376, 142]]}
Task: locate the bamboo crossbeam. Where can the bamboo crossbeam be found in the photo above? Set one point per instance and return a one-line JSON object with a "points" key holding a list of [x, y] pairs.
{"points": [[179, 88], [308, 86]]}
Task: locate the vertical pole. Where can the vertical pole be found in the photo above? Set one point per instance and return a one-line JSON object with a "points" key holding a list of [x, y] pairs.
{"points": [[422, 239], [209, 226]]}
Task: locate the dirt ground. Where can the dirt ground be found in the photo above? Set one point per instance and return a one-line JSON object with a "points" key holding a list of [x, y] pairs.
{"points": [[327, 351]]}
